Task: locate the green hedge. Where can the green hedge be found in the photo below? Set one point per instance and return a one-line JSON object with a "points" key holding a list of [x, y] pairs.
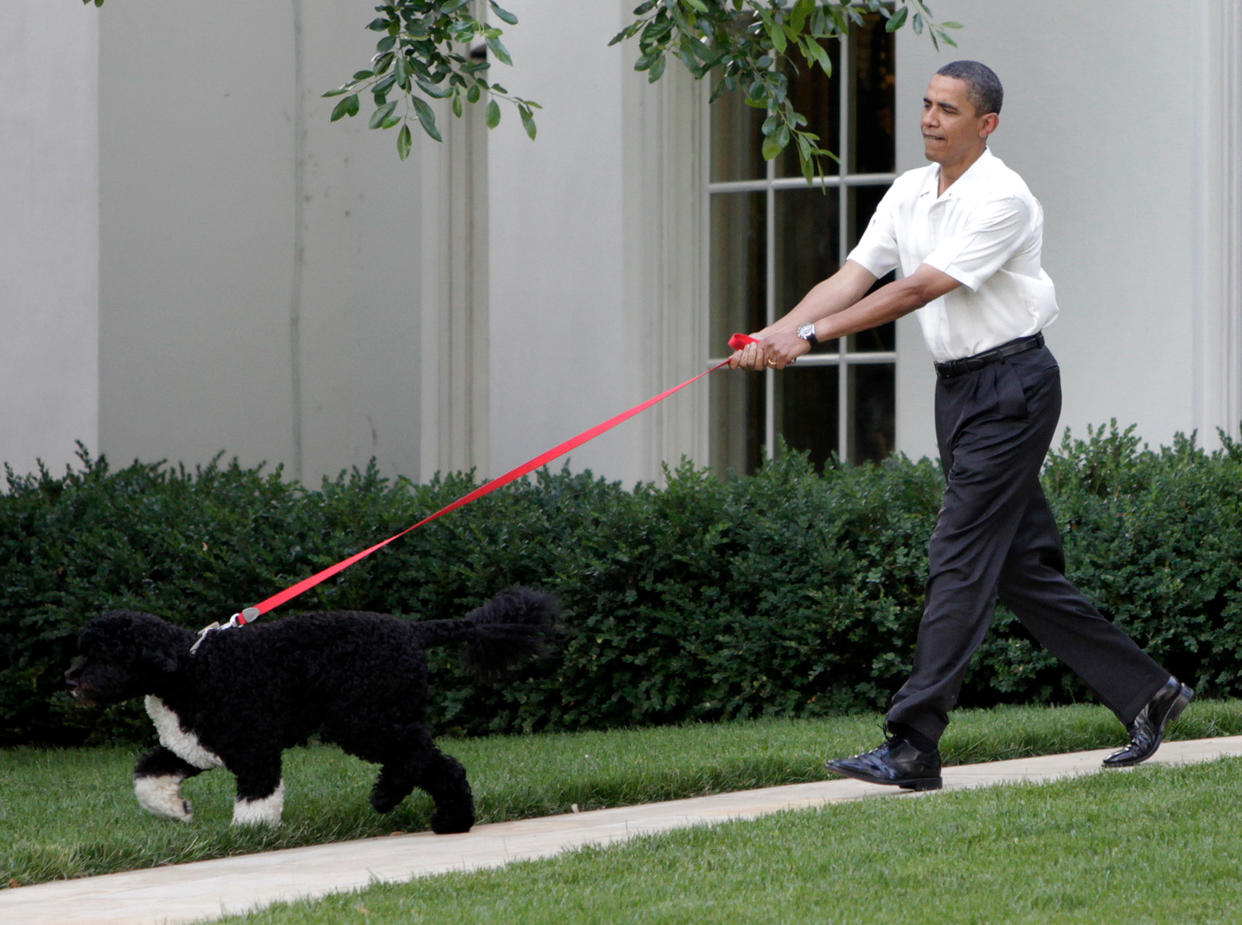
{"points": [[790, 592]]}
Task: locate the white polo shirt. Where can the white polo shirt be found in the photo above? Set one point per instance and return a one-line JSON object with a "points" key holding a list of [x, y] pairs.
{"points": [[986, 231]]}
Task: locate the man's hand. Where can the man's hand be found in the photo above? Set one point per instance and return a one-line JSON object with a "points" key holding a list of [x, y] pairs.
{"points": [[775, 351]]}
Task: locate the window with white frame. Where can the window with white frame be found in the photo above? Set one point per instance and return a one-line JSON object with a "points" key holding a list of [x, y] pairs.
{"points": [[772, 237]]}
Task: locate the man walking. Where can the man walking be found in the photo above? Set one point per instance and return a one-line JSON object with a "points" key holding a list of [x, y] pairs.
{"points": [[966, 235]]}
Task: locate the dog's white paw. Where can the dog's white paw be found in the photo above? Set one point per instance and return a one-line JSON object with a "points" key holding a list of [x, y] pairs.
{"points": [[161, 795], [264, 811]]}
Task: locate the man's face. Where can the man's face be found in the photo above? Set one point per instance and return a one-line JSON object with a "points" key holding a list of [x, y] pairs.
{"points": [[952, 130]]}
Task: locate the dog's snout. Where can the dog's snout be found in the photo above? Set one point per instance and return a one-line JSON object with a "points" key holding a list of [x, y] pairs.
{"points": [[73, 676]]}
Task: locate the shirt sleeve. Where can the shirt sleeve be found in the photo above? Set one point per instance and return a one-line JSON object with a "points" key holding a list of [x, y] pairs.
{"points": [[877, 250], [994, 232]]}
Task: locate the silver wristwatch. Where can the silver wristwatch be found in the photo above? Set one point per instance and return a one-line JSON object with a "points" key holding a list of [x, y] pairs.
{"points": [[807, 333]]}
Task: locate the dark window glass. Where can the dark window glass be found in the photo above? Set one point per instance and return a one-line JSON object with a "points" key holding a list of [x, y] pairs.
{"points": [[772, 240]]}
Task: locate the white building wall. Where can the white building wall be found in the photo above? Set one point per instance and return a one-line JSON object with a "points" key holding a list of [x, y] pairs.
{"points": [[262, 269], [566, 348], [49, 233], [1104, 116], [280, 288]]}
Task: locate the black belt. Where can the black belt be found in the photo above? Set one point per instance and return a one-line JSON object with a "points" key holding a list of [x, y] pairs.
{"points": [[951, 368]]}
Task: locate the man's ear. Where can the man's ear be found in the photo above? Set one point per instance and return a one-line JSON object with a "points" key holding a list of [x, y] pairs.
{"points": [[988, 125]]}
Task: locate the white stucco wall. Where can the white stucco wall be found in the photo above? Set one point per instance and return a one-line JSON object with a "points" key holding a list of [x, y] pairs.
{"points": [[565, 348], [261, 267], [49, 233], [1104, 114], [260, 282]]}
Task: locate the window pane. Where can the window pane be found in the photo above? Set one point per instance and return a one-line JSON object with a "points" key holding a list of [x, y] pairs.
{"points": [[737, 139], [860, 204], [738, 266], [819, 99], [807, 229], [807, 409], [769, 248], [736, 422], [878, 340], [872, 146], [883, 338], [873, 414]]}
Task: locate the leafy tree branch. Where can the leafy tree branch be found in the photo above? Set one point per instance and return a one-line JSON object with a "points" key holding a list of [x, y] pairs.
{"points": [[753, 45], [431, 50]]}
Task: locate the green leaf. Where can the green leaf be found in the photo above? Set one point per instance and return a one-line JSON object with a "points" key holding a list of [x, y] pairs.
{"points": [[382, 113], [427, 118], [528, 121], [432, 90], [773, 145], [777, 35], [898, 20], [502, 14], [816, 53], [346, 107], [404, 142], [493, 114], [498, 48], [802, 9]]}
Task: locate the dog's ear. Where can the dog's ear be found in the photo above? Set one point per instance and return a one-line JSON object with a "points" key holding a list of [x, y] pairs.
{"points": [[161, 658]]}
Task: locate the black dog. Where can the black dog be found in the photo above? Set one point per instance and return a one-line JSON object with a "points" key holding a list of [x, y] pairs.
{"points": [[245, 694]]}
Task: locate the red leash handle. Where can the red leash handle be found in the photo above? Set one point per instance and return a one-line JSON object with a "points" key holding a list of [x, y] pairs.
{"points": [[250, 614]]}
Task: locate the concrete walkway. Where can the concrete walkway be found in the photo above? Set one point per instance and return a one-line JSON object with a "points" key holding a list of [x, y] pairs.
{"points": [[206, 889]]}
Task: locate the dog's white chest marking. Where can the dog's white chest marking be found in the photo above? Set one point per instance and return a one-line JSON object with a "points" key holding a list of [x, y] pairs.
{"points": [[162, 794], [173, 736]]}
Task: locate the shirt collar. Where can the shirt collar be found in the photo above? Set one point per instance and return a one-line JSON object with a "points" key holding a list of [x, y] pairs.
{"points": [[931, 184]]}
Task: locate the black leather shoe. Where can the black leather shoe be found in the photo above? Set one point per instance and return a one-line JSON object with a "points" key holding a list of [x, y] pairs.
{"points": [[1147, 730], [896, 762]]}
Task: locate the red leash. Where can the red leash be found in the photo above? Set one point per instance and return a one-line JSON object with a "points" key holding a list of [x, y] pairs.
{"points": [[250, 614]]}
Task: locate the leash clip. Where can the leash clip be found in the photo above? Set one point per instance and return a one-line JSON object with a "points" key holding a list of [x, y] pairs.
{"points": [[249, 615]]}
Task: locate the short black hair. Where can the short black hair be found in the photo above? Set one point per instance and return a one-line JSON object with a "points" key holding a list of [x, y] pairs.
{"points": [[986, 93]]}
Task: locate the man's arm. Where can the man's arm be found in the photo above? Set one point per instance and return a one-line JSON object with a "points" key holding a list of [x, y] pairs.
{"points": [[839, 308], [835, 294]]}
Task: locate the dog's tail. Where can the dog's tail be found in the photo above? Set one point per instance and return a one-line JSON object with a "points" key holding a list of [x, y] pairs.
{"points": [[512, 626]]}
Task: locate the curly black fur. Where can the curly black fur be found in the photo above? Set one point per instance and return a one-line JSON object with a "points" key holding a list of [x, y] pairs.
{"points": [[246, 694]]}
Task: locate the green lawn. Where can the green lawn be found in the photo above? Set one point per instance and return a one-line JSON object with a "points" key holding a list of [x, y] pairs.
{"points": [[72, 813], [1155, 845]]}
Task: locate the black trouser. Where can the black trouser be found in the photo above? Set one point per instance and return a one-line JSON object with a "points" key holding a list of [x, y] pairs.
{"points": [[995, 536]]}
